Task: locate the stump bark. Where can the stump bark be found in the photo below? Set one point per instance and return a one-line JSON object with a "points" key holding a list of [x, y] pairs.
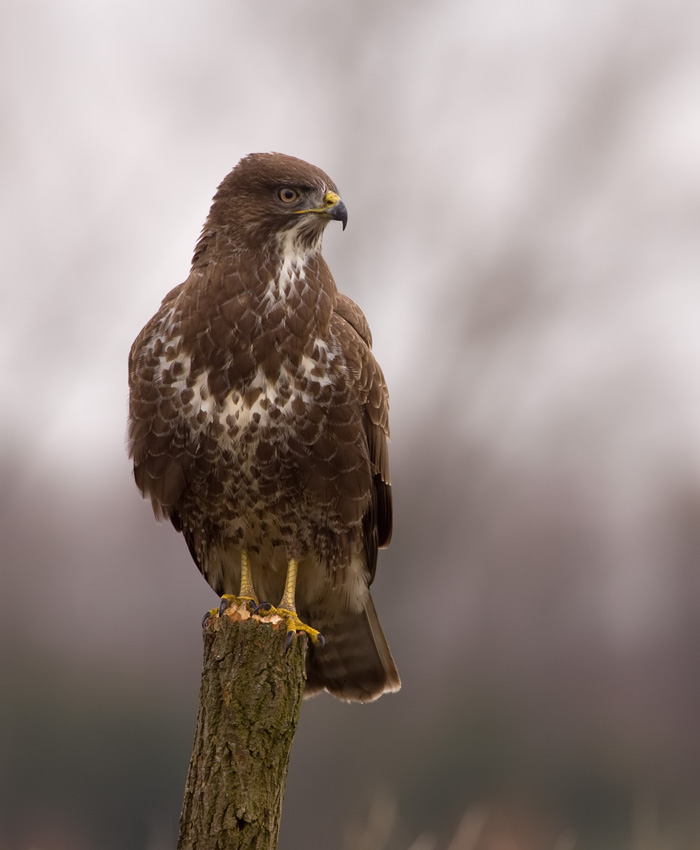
{"points": [[249, 705]]}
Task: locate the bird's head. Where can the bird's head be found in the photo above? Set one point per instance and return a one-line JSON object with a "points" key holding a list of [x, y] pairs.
{"points": [[270, 200]]}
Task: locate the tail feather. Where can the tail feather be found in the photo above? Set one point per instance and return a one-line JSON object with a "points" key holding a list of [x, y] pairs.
{"points": [[355, 664]]}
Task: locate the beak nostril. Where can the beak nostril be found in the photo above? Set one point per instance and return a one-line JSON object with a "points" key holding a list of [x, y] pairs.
{"points": [[330, 199]]}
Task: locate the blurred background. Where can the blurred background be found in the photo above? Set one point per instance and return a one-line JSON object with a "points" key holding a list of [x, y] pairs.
{"points": [[523, 185]]}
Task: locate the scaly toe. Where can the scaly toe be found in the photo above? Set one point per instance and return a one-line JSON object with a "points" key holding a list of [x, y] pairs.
{"points": [[228, 600], [295, 625]]}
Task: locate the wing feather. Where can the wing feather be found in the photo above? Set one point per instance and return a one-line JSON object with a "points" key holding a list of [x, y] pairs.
{"points": [[351, 328]]}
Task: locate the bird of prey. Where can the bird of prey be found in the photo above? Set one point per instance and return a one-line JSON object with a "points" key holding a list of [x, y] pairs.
{"points": [[258, 422]]}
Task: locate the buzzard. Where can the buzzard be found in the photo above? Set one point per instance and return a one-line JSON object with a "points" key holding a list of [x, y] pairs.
{"points": [[258, 422]]}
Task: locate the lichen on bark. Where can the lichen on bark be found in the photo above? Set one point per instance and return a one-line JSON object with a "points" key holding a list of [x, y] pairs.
{"points": [[249, 705]]}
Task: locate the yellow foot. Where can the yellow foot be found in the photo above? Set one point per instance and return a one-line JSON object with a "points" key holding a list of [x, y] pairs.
{"points": [[230, 601], [292, 622], [294, 625]]}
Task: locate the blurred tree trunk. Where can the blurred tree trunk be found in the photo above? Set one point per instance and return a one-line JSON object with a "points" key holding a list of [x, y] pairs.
{"points": [[248, 711]]}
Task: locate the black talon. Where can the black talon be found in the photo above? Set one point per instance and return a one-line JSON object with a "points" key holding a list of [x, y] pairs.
{"points": [[263, 606], [288, 641], [224, 605], [321, 641], [205, 619]]}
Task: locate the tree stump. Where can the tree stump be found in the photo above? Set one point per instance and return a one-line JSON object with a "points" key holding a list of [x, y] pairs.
{"points": [[248, 711]]}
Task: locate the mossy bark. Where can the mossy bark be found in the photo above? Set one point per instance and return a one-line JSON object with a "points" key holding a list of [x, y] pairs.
{"points": [[248, 711]]}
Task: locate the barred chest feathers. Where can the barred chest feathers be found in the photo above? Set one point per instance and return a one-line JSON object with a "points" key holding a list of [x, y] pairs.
{"points": [[278, 390]]}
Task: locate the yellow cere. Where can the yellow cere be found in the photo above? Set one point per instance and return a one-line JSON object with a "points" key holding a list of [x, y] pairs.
{"points": [[330, 199]]}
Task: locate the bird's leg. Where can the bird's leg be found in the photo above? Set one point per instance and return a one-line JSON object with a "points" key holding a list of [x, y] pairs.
{"points": [[247, 595], [247, 590], [288, 603], [287, 608]]}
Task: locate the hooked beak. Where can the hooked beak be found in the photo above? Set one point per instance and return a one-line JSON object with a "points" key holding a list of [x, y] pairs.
{"points": [[335, 209], [332, 207]]}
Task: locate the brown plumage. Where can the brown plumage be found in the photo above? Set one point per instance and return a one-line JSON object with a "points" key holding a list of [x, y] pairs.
{"points": [[258, 418]]}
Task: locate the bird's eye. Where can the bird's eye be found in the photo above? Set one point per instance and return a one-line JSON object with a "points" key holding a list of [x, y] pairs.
{"points": [[287, 195]]}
